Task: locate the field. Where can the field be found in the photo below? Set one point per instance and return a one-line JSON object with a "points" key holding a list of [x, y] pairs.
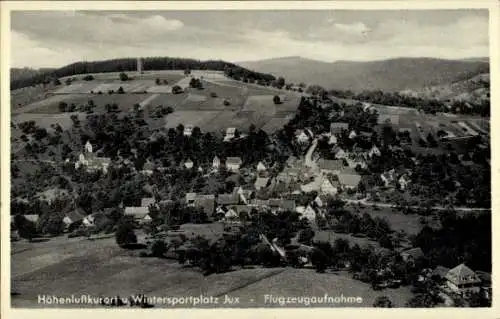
{"points": [[63, 267], [46, 120]]}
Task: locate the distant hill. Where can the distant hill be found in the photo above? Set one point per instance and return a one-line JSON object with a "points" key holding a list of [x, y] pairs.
{"points": [[386, 75], [130, 65], [26, 73], [474, 90]]}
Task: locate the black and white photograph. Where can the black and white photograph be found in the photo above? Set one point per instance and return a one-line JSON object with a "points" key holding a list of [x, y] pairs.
{"points": [[249, 158]]}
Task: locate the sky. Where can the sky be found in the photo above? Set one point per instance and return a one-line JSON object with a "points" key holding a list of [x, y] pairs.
{"points": [[58, 38]]}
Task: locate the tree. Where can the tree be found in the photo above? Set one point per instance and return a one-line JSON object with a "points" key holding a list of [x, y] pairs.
{"points": [[120, 90], [125, 234], [176, 89], [25, 228], [63, 106], [57, 82], [382, 302], [157, 81], [276, 99], [423, 300], [306, 236], [124, 77], [158, 249], [280, 82], [88, 77]]}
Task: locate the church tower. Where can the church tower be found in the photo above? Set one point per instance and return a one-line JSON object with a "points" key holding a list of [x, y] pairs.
{"points": [[88, 147]]}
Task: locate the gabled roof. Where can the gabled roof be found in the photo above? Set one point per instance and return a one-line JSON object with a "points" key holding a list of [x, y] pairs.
{"points": [[228, 199], [415, 253], [349, 178], [284, 204], [76, 215], [462, 274], [234, 161], [230, 130], [332, 165], [190, 196], [32, 217], [261, 182], [136, 212]]}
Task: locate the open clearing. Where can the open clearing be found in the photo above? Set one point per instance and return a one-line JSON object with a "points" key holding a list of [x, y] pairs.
{"points": [[48, 105], [46, 120], [76, 266]]}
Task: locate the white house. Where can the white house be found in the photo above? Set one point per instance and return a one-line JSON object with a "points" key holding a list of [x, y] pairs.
{"points": [[230, 134], [188, 164], [216, 163], [188, 130], [301, 136], [403, 182], [330, 185], [463, 280], [309, 213], [261, 167], [332, 140], [233, 164], [352, 134], [374, 151]]}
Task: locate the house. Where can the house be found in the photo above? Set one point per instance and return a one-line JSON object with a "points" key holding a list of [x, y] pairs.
{"points": [[188, 164], [412, 254], [261, 167], [91, 162], [330, 166], [288, 175], [228, 199], [74, 216], [245, 194], [332, 140], [190, 198], [338, 127], [95, 219], [32, 217], [374, 151], [339, 153], [463, 280], [261, 182], [216, 163], [322, 200], [188, 130], [309, 213], [301, 137], [231, 214], [233, 164], [367, 107], [353, 134], [230, 134], [387, 177], [349, 179], [139, 214], [403, 181], [148, 168], [330, 185]]}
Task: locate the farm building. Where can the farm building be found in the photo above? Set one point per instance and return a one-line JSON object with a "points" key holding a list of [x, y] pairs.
{"points": [[74, 216], [338, 127], [228, 199], [309, 212], [349, 179], [233, 164], [463, 280]]}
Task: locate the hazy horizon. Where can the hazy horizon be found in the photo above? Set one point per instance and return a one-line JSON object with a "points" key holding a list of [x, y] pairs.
{"points": [[51, 39]]}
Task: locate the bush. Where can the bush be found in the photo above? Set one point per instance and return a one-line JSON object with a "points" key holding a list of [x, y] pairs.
{"points": [[120, 90], [276, 99], [176, 89], [213, 94], [125, 234], [88, 78], [226, 103], [124, 77], [158, 249]]}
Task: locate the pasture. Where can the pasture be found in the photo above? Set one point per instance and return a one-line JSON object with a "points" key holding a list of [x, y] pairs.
{"points": [[46, 120], [64, 266]]}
